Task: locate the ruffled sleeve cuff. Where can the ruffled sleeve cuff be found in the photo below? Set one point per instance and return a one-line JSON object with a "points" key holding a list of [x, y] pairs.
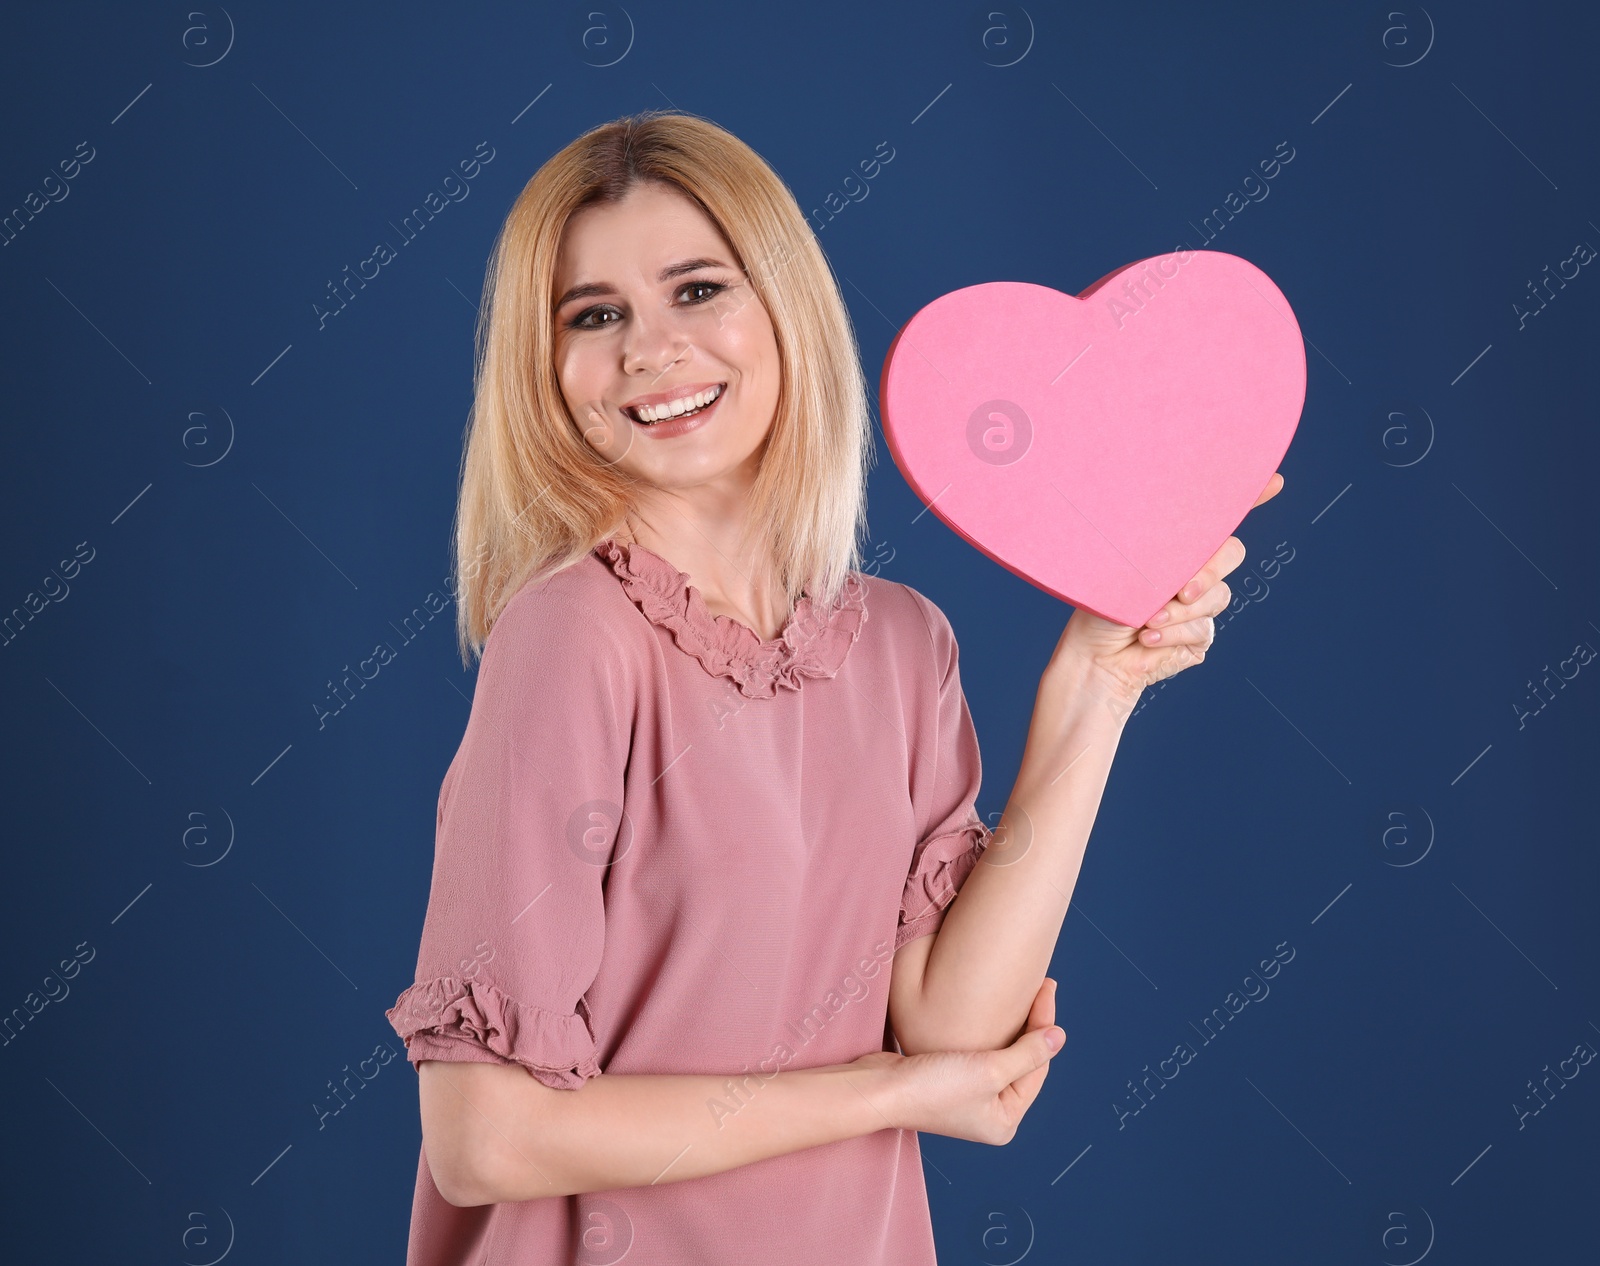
{"points": [[472, 1021], [938, 869]]}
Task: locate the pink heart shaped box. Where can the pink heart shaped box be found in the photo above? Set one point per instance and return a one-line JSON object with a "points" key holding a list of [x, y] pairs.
{"points": [[1103, 446]]}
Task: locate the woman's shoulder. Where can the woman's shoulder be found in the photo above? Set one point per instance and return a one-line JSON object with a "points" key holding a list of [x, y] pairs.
{"points": [[560, 650], [580, 609], [907, 614]]}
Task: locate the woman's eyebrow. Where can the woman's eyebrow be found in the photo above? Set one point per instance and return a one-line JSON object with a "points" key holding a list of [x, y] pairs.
{"points": [[592, 289]]}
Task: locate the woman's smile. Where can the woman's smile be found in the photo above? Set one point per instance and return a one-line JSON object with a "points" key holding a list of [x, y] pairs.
{"points": [[664, 422]]}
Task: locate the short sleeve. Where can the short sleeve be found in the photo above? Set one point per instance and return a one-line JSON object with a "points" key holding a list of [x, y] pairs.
{"points": [[528, 817], [947, 774]]}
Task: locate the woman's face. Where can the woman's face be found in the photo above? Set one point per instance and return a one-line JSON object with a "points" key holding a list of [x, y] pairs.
{"points": [[653, 309]]}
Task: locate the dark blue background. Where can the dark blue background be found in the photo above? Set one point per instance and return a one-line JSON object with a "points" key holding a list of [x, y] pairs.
{"points": [[266, 500]]}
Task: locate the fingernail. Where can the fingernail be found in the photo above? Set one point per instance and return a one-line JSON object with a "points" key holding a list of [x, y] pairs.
{"points": [[1155, 635], [1054, 1037], [1161, 617]]}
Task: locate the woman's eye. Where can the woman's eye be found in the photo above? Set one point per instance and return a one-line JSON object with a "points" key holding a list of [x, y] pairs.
{"points": [[582, 322], [713, 286]]}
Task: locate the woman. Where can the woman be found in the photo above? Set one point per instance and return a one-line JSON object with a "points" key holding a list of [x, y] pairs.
{"points": [[715, 799]]}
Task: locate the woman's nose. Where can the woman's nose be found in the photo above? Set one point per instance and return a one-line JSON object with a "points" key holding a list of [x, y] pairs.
{"points": [[652, 344]]}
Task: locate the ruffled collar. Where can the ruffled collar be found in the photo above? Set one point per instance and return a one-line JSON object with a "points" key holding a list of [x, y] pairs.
{"points": [[813, 643]]}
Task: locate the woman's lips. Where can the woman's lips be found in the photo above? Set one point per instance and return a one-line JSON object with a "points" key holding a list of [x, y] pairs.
{"points": [[672, 427]]}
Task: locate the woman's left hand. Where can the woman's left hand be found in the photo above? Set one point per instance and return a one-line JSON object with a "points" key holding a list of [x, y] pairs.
{"points": [[1175, 638]]}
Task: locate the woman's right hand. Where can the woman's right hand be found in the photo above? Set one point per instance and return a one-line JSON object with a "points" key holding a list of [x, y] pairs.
{"points": [[980, 1096]]}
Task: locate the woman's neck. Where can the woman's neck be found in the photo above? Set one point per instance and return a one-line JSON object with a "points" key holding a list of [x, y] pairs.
{"points": [[741, 586]]}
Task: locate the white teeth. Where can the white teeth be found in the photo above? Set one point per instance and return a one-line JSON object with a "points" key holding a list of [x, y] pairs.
{"points": [[660, 412]]}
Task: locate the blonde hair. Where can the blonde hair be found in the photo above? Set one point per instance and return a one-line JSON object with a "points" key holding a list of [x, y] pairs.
{"points": [[535, 495]]}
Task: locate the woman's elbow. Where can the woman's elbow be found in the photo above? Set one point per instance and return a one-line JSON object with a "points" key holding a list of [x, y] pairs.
{"points": [[458, 1187], [458, 1100], [462, 1175]]}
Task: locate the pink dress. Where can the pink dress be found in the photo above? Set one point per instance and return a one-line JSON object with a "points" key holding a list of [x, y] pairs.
{"points": [[667, 846]]}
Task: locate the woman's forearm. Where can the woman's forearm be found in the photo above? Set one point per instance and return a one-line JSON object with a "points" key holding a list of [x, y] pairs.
{"points": [[624, 1130], [993, 949]]}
